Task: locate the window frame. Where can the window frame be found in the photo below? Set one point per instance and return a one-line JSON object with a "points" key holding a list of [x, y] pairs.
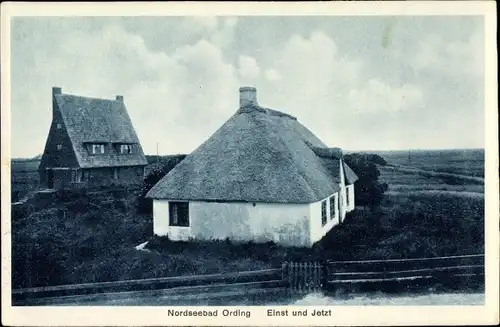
{"points": [[324, 213], [125, 147], [98, 148], [333, 206], [178, 214], [59, 147], [78, 176], [58, 125]]}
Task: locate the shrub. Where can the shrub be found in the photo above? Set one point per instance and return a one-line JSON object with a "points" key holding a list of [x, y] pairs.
{"points": [[167, 163], [367, 189]]}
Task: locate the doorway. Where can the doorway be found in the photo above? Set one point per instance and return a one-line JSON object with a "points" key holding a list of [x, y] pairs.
{"points": [[50, 178]]}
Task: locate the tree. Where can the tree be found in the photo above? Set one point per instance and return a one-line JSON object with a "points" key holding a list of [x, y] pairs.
{"points": [[368, 189], [167, 163]]}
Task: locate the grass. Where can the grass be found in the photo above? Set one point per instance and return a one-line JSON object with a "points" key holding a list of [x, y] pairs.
{"points": [[24, 178], [466, 162], [89, 236], [405, 181]]}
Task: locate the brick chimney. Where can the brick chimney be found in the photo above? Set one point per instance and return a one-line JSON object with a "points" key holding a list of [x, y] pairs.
{"points": [[56, 90], [119, 98], [248, 95]]}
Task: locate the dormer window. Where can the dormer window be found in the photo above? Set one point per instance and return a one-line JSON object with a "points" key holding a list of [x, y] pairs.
{"points": [[125, 148], [97, 148]]}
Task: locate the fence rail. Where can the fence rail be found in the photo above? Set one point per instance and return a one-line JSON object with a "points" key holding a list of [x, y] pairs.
{"points": [[395, 270], [266, 275], [299, 277]]}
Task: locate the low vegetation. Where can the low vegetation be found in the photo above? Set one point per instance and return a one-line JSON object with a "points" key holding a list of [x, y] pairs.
{"points": [[90, 236], [24, 178], [464, 162], [368, 190], [159, 166]]}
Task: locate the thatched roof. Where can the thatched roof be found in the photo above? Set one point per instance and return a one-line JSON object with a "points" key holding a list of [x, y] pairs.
{"points": [[258, 155], [91, 120]]}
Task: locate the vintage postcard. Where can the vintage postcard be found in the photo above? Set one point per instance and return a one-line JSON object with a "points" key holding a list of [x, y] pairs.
{"points": [[233, 163]]}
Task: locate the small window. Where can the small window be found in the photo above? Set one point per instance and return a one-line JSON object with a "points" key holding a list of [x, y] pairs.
{"points": [[115, 173], [97, 148], [332, 206], [179, 214], [347, 196], [58, 126], [125, 148], [323, 213], [59, 147], [78, 175]]}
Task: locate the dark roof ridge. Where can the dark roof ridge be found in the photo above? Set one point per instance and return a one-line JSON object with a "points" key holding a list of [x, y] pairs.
{"points": [[252, 107], [326, 152], [86, 97]]}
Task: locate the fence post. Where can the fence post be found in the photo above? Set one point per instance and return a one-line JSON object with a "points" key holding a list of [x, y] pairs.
{"points": [[324, 274], [285, 274], [310, 278]]}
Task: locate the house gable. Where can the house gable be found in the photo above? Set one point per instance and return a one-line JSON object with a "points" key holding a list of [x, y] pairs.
{"points": [[59, 151], [104, 122]]}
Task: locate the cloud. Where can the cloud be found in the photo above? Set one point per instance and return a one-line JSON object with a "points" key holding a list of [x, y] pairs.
{"points": [[453, 57], [199, 25], [272, 74], [379, 97], [180, 77], [184, 95], [224, 35], [248, 68]]}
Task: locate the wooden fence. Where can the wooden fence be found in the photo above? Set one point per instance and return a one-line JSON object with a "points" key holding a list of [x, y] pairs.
{"points": [[268, 278], [306, 277], [297, 277]]}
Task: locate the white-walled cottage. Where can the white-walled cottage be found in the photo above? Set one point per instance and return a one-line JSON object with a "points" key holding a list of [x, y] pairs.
{"points": [[260, 177]]}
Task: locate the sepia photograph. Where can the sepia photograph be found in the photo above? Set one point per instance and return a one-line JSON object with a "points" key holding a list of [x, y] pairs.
{"points": [[205, 165]]}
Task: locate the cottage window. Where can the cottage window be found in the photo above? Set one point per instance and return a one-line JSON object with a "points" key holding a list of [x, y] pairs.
{"points": [[125, 148], [97, 148], [323, 213], [347, 196], [179, 214], [59, 147], [78, 176], [333, 201], [58, 126]]}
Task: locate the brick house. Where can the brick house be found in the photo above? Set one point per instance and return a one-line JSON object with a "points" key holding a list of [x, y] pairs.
{"points": [[91, 142]]}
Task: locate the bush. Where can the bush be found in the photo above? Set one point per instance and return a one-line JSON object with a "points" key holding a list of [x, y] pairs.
{"points": [[367, 189], [164, 166]]}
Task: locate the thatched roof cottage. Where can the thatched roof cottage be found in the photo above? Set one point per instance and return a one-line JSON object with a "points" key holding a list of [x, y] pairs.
{"points": [[91, 142], [260, 177]]}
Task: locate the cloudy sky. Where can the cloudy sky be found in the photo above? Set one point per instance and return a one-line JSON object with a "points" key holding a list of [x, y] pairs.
{"points": [[360, 83]]}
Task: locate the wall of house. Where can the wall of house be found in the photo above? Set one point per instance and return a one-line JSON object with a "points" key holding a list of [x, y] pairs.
{"points": [[351, 205], [286, 224], [64, 177], [318, 230], [52, 156], [105, 176]]}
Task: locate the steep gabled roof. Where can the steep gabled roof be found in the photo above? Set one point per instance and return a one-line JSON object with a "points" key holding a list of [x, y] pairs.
{"points": [[258, 155], [91, 120]]}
